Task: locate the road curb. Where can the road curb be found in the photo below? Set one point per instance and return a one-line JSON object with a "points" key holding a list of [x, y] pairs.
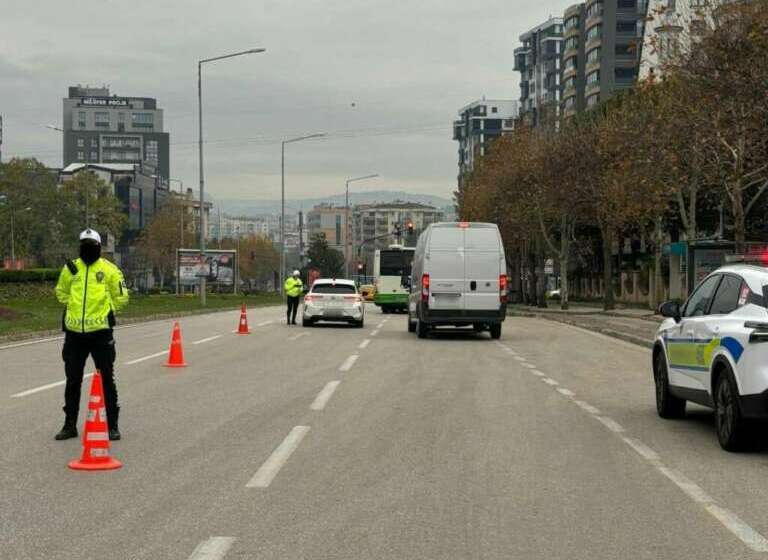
{"points": [[129, 321], [608, 332]]}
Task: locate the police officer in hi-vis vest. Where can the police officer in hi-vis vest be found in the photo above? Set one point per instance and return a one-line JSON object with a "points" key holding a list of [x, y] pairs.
{"points": [[93, 289]]}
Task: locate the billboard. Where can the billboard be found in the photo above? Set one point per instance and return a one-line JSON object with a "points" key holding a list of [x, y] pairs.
{"points": [[216, 266]]}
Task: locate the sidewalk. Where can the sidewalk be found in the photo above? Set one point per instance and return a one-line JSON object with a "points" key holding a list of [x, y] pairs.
{"points": [[637, 326]]}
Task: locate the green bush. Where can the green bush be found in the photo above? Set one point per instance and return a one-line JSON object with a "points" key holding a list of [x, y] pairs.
{"points": [[29, 275]]}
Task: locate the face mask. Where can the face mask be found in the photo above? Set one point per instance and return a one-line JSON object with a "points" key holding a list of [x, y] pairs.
{"points": [[90, 253]]}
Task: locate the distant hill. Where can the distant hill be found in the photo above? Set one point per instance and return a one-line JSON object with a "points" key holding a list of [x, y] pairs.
{"points": [[253, 207]]}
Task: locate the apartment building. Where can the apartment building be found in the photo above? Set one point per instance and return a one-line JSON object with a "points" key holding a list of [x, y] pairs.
{"points": [[539, 62]]}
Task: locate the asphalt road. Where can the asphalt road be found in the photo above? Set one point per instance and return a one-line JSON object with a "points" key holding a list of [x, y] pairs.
{"points": [[336, 442]]}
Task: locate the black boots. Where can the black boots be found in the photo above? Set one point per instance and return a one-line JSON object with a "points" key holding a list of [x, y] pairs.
{"points": [[69, 430], [114, 431]]}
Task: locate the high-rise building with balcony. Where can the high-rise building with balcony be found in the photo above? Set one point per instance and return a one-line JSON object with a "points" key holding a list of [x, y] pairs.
{"points": [[538, 60], [572, 77], [478, 125]]}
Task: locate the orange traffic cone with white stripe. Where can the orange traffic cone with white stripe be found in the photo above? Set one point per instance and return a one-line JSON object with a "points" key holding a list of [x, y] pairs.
{"points": [[242, 328], [96, 435], [176, 351]]}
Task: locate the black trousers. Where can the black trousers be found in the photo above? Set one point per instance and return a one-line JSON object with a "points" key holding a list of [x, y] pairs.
{"points": [[293, 308], [100, 345]]}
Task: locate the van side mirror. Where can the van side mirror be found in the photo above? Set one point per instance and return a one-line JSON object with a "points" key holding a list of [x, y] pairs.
{"points": [[670, 309]]}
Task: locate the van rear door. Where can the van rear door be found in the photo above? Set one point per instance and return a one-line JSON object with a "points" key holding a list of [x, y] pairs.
{"points": [[444, 262], [483, 265]]}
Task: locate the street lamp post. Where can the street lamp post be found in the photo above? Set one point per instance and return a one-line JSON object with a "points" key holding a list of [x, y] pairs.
{"points": [[347, 241], [282, 201], [200, 146]]}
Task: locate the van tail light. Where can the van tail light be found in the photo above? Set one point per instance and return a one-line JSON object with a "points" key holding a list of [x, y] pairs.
{"points": [[503, 288], [425, 287]]}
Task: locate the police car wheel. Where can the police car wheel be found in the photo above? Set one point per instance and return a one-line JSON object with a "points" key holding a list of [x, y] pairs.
{"points": [[667, 405], [731, 427]]}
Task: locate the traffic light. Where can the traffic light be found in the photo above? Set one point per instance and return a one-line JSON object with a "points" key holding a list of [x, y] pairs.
{"points": [[359, 267], [410, 228]]}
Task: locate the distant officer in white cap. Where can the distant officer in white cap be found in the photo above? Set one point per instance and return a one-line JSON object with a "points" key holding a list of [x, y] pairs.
{"points": [[93, 289], [293, 288]]}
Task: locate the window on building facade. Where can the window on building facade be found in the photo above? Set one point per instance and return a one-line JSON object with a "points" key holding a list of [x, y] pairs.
{"points": [[570, 103], [569, 82], [494, 109], [595, 10], [626, 26], [594, 32], [81, 119], [625, 50], [94, 156], [593, 100], [152, 154], [571, 43], [81, 156], [593, 55], [625, 73], [80, 142], [143, 120], [101, 119], [626, 4], [593, 77], [571, 22], [94, 143]]}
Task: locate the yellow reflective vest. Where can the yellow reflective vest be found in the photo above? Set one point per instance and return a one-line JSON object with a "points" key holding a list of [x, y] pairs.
{"points": [[293, 287], [91, 293]]}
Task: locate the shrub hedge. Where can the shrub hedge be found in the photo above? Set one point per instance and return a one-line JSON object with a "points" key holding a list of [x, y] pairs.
{"points": [[29, 275]]}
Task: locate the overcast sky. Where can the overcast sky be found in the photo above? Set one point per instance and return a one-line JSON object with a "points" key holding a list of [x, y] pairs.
{"points": [[383, 78]]}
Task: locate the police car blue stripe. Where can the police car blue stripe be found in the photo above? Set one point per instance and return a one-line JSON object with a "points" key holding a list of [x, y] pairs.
{"points": [[733, 346]]}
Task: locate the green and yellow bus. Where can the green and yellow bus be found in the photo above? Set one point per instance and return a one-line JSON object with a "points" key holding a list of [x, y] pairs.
{"points": [[391, 273]]}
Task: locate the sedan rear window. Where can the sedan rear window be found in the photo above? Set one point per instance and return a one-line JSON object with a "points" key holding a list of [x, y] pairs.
{"points": [[333, 289]]}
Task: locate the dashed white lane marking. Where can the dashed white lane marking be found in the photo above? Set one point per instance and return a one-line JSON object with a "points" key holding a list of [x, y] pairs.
{"points": [[204, 340], [264, 323], [643, 450], [519, 358], [587, 407], [28, 342], [364, 344], [324, 396], [611, 424], [735, 525], [537, 372], [44, 387], [298, 336], [213, 549], [691, 489], [564, 391], [374, 333], [348, 363], [549, 381], [531, 366], [145, 358], [268, 471]]}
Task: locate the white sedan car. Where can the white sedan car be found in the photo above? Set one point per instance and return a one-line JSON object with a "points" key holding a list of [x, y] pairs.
{"points": [[333, 300], [713, 350]]}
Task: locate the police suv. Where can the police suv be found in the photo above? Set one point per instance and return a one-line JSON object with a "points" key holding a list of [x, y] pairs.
{"points": [[713, 350]]}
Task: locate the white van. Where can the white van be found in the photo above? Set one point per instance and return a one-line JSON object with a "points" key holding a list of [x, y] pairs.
{"points": [[458, 278]]}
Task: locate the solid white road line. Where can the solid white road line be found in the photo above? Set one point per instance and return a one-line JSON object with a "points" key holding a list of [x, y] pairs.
{"points": [[28, 342], [348, 363], [531, 366], [587, 407], [267, 472], [298, 336], [324, 396], [210, 338], [610, 423], [213, 549], [537, 372], [364, 344], [264, 323], [519, 358], [44, 387], [549, 381], [564, 391], [145, 358]]}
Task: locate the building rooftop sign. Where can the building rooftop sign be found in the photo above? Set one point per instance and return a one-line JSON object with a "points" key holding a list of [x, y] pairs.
{"points": [[105, 101]]}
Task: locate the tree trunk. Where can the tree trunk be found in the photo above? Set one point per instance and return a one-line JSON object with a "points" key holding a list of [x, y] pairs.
{"points": [[608, 299], [565, 255], [739, 226], [541, 287], [162, 278], [658, 292]]}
